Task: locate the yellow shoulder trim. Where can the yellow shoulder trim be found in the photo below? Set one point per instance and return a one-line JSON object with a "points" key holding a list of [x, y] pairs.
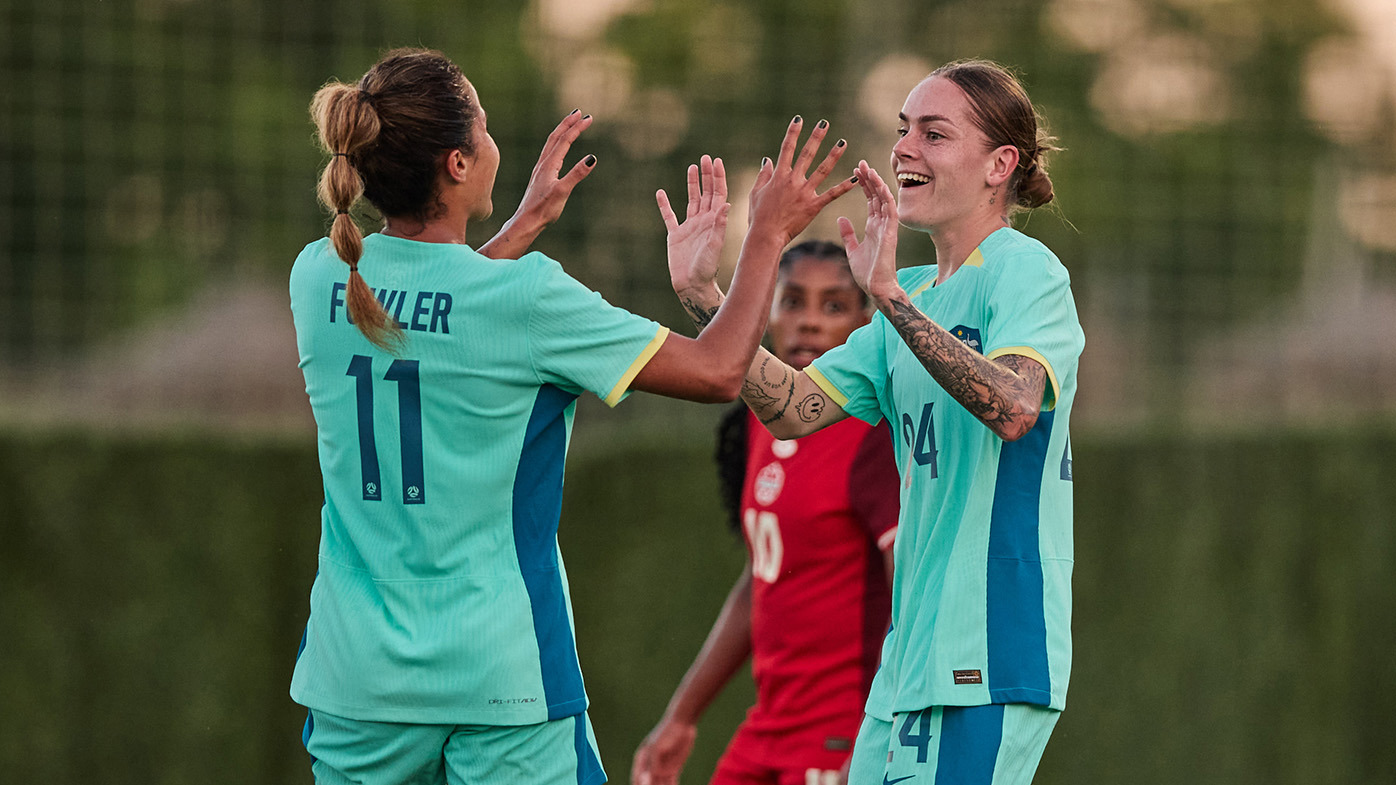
{"points": [[618, 392], [976, 259], [827, 386], [1055, 389]]}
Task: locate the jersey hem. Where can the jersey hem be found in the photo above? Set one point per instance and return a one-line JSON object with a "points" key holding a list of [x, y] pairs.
{"points": [[618, 392], [1005, 696], [1021, 695], [438, 715]]}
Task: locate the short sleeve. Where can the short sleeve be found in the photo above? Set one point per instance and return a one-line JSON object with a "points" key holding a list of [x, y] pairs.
{"points": [[873, 490], [579, 341], [854, 374], [1032, 313]]}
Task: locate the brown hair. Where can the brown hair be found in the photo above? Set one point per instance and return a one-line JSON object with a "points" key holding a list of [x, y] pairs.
{"points": [[821, 250], [1004, 113], [385, 135]]}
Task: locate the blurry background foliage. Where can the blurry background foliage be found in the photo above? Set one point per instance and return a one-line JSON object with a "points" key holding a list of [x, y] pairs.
{"points": [[1225, 200], [1226, 205]]}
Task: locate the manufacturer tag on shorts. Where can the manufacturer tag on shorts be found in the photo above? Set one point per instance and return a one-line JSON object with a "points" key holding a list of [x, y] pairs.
{"points": [[968, 677]]}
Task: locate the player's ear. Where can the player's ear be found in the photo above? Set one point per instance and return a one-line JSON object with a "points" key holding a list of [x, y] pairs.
{"points": [[458, 165], [1002, 162]]}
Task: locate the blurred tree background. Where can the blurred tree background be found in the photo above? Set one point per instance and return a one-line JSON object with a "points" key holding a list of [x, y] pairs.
{"points": [[1225, 198], [1226, 206]]}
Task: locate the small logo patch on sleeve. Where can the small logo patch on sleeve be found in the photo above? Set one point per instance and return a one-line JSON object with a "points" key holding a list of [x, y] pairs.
{"points": [[968, 677]]}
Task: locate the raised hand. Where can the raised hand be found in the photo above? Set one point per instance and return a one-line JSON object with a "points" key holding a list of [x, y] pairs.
{"points": [[696, 243], [874, 260], [785, 197], [546, 194]]}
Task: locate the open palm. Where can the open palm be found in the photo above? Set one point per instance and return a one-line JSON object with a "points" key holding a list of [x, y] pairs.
{"points": [[874, 260], [695, 245]]}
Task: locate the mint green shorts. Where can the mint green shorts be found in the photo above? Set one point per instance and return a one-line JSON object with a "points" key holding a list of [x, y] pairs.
{"points": [[997, 744], [344, 751]]}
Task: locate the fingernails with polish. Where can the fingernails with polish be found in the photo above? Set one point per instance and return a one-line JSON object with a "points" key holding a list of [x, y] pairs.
{"points": [[590, 160], [841, 143], [853, 179], [574, 111], [822, 124], [586, 117], [797, 120], [765, 162]]}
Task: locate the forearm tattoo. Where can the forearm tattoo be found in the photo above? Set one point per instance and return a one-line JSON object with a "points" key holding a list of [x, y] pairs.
{"points": [[701, 315], [999, 393], [766, 399]]}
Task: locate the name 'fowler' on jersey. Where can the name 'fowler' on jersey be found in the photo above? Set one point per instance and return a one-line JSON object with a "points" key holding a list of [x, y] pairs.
{"points": [[429, 309]]}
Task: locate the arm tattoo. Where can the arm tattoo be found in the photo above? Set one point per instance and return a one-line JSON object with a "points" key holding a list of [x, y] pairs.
{"points": [[811, 407], [998, 393], [700, 315], [765, 398], [775, 384], [789, 393], [758, 399]]}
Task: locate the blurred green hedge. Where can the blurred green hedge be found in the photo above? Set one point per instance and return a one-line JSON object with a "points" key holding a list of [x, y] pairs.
{"points": [[1233, 617]]}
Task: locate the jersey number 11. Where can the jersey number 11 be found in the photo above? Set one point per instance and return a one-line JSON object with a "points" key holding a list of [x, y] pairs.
{"points": [[409, 406]]}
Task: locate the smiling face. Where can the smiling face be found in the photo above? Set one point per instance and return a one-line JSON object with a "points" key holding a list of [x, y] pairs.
{"points": [[816, 306], [943, 163]]}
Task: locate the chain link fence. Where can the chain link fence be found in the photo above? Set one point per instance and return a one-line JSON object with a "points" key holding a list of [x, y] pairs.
{"points": [[1226, 200]]}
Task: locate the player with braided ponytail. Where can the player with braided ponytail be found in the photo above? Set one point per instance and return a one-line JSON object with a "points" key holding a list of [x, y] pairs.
{"points": [[347, 122], [440, 645]]}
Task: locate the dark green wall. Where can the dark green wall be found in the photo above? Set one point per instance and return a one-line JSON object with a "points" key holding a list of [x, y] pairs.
{"points": [[1233, 616]]}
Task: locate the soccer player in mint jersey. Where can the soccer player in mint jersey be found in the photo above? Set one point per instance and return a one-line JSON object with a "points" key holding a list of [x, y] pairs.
{"points": [[819, 517], [440, 645], [972, 361]]}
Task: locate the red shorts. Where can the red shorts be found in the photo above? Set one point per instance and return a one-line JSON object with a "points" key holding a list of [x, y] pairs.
{"points": [[756, 759]]}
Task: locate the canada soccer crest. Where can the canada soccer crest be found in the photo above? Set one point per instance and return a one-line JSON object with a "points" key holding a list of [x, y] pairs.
{"points": [[969, 336], [769, 484]]}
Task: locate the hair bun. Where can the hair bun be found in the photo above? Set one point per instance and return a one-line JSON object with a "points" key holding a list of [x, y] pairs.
{"points": [[1035, 189]]}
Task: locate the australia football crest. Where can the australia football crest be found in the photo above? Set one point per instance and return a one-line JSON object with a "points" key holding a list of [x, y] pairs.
{"points": [[969, 336]]}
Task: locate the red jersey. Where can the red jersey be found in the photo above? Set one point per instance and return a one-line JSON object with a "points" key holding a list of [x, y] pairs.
{"points": [[816, 515]]}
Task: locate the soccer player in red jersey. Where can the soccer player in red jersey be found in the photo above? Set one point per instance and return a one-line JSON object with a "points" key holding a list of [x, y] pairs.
{"points": [[811, 606]]}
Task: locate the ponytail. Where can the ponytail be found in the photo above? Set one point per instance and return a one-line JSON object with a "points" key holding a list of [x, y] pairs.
{"points": [[347, 122]]}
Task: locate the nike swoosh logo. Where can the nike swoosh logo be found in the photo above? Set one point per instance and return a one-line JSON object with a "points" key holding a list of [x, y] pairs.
{"points": [[886, 781]]}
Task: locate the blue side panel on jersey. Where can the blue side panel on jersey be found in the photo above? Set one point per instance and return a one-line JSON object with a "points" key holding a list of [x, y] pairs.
{"points": [[307, 730], [537, 507], [969, 744], [588, 765], [309, 717], [1017, 622]]}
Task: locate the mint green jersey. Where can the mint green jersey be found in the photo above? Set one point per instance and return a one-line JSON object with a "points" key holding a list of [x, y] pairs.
{"points": [[441, 596], [981, 594]]}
